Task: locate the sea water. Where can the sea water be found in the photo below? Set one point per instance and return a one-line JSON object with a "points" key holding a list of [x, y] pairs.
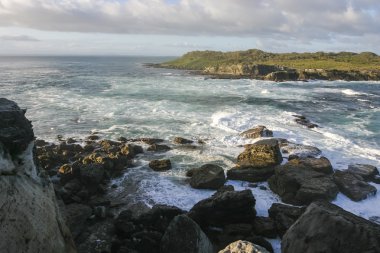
{"points": [[119, 96]]}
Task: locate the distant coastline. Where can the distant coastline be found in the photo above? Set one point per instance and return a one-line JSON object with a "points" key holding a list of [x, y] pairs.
{"points": [[257, 64]]}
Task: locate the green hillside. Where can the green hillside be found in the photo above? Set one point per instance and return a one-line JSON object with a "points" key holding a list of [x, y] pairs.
{"points": [[199, 60]]}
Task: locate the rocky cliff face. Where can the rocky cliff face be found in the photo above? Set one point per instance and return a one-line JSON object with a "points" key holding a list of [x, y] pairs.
{"points": [[30, 219], [280, 73]]}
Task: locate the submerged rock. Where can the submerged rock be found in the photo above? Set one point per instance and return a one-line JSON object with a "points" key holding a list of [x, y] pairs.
{"points": [[353, 185], [243, 247], [208, 176], [257, 132], [327, 228], [183, 235], [159, 148], [264, 153], [299, 150]]}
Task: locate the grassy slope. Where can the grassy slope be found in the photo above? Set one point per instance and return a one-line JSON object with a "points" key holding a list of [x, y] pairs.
{"points": [[198, 60]]}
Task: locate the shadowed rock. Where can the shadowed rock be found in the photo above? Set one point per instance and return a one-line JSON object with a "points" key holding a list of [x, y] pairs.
{"points": [[327, 228]]}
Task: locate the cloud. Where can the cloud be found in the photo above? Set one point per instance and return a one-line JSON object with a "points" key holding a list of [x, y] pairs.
{"points": [[18, 38], [283, 19]]}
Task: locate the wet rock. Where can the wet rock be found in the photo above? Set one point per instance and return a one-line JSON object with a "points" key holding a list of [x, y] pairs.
{"points": [[302, 120], [264, 153], [325, 227], [321, 165], [180, 140], [183, 235], [130, 150], [299, 185], [92, 175], [368, 172], [158, 148], [284, 216], [208, 176], [257, 132], [100, 212], [250, 174], [224, 208], [149, 141], [76, 217], [265, 226], [160, 165], [243, 247], [353, 185], [97, 237], [92, 137], [40, 143], [300, 150]]}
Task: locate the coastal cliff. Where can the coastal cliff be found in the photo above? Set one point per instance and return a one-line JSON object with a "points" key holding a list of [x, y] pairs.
{"points": [[257, 64], [29, 214]]}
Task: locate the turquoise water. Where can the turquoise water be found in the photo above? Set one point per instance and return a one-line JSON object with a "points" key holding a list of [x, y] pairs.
{"points": [[118, 96]]}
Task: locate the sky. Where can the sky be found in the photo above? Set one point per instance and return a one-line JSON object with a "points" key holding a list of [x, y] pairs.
{"points": [[174, 27]]}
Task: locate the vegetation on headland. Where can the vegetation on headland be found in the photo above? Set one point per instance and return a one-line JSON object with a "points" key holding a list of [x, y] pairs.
{"points": [[322, 65]]}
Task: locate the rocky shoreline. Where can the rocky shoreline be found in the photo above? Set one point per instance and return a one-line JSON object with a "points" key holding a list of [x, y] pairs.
{"points": [[277, 73], [79, 172]]}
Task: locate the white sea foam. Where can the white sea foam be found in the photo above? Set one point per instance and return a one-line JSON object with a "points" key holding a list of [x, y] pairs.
{"points": [[350, 92]]}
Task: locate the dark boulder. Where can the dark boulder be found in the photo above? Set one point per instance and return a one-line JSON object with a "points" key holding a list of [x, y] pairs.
{"points": [[208, 176], [224, 208], [158, 148], [353, 185], [160, 165], [257, 132], [299, 185], [368, 172], [264, 153], [183, 235], [16, 131], [265, 226], [284, 216], [76, 216], [284, 75], [327, 228], [250, 174]]}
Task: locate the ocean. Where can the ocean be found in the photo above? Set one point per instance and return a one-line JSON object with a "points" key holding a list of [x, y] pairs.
{"points": [[119, 96]]}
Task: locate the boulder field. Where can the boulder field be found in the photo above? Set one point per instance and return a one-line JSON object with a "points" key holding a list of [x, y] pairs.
{"points": [[52, 197]]}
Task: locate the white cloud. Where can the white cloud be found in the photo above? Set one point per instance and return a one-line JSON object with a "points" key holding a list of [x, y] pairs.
{"points": [[287, 18]]}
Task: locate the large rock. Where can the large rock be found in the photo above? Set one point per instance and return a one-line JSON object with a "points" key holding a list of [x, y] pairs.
{"points": [[321, 165], [284, 216], [327, 228], [16, 131], [29, 214], [76, 216], [353, 185], [250, 174], [368, 172], [183, 235], [225, 207], [180, 140], [208, 176], [299, 185], [243, 247], [257, 132], [160, 165], [264, 153]]}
